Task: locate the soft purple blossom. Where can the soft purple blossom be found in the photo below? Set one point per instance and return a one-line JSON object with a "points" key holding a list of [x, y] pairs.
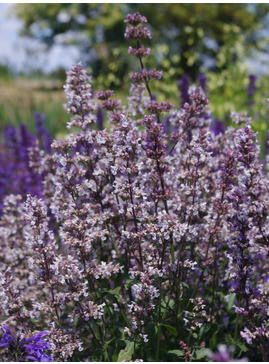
{"points": [[224, 355], [135, 19], [140, 52], [139, 77], [137, 33], [24, 349]]}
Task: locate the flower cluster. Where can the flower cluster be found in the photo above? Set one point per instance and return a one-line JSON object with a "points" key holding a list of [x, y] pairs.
{"points": [[17, 172], [21, 348], [148, 239], [79, 98]]}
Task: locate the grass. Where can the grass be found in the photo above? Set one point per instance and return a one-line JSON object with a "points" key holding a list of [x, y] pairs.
{"points": [[21, 97]]}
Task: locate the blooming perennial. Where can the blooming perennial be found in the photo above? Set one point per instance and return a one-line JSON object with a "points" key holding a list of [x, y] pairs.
{"points": [[149, 239]]}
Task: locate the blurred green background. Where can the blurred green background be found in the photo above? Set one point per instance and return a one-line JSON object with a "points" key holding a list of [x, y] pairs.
{"points": [[226, 42]]}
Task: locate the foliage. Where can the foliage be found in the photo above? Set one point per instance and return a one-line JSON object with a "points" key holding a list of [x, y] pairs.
{"points": [[186, 36], [5, 72], [20, 97], [150, 239]]}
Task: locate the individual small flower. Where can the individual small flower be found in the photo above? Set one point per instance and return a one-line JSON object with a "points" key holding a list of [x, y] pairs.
{"points": [[247, 335]]}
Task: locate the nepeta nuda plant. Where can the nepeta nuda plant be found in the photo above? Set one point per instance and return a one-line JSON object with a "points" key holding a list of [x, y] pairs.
{"points": [[145, 245]]}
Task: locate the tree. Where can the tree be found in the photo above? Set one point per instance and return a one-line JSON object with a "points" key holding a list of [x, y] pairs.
{"points": [[187, 36]]}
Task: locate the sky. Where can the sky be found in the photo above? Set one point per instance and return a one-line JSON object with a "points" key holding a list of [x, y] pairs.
{"points": [[24, 54]]}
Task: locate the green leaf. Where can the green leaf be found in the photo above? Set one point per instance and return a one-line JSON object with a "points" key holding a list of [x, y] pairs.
{"points": [[201, 353], [231, 300], [110, 341], [203, 330], [195, 335], [126, 354], [171, 329], [185, 284], [130, 282], [151, 329], [242, 346], [115, 292], [176, 352]]}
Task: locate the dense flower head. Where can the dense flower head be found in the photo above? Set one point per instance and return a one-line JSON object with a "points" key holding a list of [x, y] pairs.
{"points": [[135, 19], [79, 97], [78, 91], [137, 33], [140, 52], [139, 77], [104, 95], [158, 107]]}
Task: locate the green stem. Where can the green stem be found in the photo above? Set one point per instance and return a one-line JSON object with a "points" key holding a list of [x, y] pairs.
{"points": [[236, 327], [123, 315], [159, 323], [172, 250], [158, 342], [114, 244], [264, 356]]}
